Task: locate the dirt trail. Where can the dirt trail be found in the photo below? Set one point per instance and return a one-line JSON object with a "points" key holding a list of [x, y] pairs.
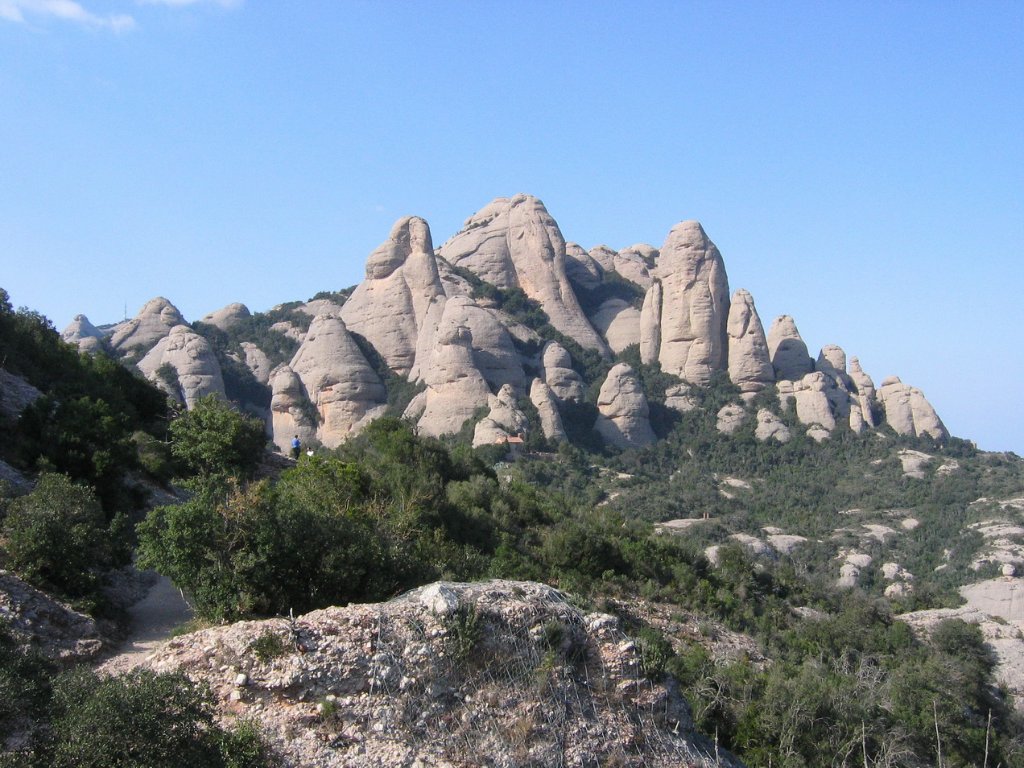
{"points": [[152, 620]]}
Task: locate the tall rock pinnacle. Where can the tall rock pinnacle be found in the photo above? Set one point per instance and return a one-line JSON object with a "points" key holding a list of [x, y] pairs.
{"points": [[694, 305], [750, 365], [789, 352], [389, 307]]}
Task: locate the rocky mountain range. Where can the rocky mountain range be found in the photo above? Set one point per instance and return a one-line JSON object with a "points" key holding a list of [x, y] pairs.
{"points": [[449, 324]]}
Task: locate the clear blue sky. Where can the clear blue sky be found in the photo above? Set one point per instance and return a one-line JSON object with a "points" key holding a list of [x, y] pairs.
{"points": [[860, 165]]}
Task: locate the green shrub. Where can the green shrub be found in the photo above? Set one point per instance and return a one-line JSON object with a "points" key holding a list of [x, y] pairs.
{"points": [[57, 537], [269, 645], [655, 653], [314, 539], [144, 720], [214, 439], [84, 437], [465, 631], [24, 680]]}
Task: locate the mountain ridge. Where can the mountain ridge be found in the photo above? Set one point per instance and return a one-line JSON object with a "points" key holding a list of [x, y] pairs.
{"points": [[501, 286]]}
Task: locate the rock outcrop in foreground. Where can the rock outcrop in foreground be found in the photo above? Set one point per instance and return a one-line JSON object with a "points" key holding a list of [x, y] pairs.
{"points": [[52, 628], [495, 673]]}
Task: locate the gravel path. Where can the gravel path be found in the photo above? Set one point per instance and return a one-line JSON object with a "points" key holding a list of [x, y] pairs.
{"points": [[153, 619]]}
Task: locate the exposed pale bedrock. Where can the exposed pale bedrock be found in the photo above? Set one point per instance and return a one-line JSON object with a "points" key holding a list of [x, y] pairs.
{"points": [[694, 305], [514, 243], [345, 390], [750, 365], [389, 308], [624, 419], [154, 321], [194, 363]]}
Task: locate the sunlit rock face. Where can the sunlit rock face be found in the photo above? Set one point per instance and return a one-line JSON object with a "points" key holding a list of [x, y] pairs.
{"points": [[154, 321], [908, 411], [750, 365], [504, 419], [227, 317], [559, 375], [788, 350], [624, 419], [455, 386], [692, 310], [390, 307], [83, 334], [544, 401], [515, 243], [194, 364], [339, 382]]}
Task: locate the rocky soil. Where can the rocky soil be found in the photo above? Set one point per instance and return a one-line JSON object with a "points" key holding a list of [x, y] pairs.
{"points": [[494, 673]]}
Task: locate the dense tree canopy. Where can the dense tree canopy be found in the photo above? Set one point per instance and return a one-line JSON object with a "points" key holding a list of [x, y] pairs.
{"points": [[212, 438]]}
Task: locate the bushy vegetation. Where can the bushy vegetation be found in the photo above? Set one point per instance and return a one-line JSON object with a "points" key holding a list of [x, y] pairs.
{"points": [[83, 424], [213, 439], [612, 286], [844, 682], [58, 539], [393, 510], [77, 719]]}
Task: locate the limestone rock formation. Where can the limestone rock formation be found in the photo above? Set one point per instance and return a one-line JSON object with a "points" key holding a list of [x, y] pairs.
{"points": [[832, 361], [86, 336], [514, 242], [256, 360], [154, 321], [995, 606], [604, 256], [455, 387], [841, 389], [291, 330], [398, 697], [16, 394], [865, 389], [750, 365], [730, 418], [321, 307], [194, 362], [494, 352], [788, 350], [228, 316], [818, 433], [544, 401], [504, 419], [908, 412], [559, 374], [770, 426], [811, 396], [650, 324], [338, 381], [581, 268], [390, 306], [624, 414], [619, 322], [634, 263], [681, 398], [694, 305], [291, 412], [37, 621]]}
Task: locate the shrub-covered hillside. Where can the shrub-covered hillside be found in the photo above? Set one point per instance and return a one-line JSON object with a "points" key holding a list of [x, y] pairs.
{"points": [[776, 662]]}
